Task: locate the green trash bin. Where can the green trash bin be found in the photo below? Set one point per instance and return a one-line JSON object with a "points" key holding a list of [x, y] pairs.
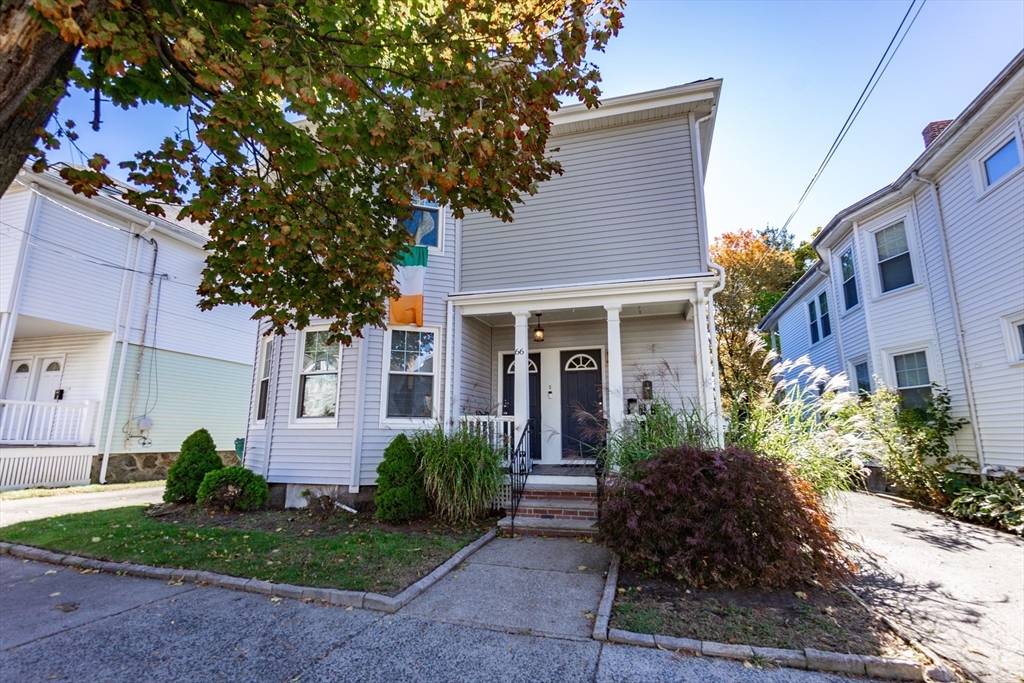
{"points": [[240, 449]]}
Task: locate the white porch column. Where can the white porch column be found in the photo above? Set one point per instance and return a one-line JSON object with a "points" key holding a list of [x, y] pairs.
{"points": [[615, 399], [522, 373], [702, 338]]}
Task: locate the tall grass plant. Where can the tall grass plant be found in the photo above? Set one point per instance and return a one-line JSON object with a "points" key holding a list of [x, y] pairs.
{"points": [[461, 472]]}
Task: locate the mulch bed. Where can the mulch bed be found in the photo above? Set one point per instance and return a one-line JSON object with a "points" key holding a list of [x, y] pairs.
{"points": [[793, 619]]}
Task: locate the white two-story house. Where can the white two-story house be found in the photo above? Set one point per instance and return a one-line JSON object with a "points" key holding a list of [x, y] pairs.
{"points": [[106, 363], [594, 300], [923, 281]]}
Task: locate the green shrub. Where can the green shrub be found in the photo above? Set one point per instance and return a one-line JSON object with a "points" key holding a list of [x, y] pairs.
{"points": [[997, 503], [198, 457], [233, 488], [461, 472], [643, 437], [400, 495], [722, 519]]}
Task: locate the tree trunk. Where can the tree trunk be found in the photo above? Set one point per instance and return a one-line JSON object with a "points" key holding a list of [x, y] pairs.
{"points": [[34, 68]]}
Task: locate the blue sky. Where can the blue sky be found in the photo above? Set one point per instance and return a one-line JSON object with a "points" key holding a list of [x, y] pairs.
{"points": [[792, 71]]}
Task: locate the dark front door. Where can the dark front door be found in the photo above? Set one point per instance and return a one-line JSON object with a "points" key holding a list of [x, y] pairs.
{"points": [[508, 400], [582, 414]]}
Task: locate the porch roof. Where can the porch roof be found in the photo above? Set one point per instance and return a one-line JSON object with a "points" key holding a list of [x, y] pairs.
{"points": [[674, 295]]}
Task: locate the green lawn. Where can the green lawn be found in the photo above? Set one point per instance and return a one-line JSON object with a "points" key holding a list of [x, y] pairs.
{"points": [[68, 490], [349, 552]]}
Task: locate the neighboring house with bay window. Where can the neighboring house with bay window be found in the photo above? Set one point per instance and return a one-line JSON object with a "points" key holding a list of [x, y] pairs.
{"points": [[923, 281], [106, 363], [596, 298]]}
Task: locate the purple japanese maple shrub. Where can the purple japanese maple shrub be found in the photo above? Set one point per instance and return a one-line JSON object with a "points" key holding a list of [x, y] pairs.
{"points": [[722, 519]]}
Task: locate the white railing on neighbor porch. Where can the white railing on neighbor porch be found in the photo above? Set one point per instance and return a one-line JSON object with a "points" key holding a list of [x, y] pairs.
{"points": [[47, 423], [499, 430]]}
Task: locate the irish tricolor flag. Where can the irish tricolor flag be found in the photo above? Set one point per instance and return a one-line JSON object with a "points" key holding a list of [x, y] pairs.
{"points": [[407, 309]]}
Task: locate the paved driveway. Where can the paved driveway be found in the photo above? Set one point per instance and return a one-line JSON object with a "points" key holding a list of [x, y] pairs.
{"points": [[958, 587], [61, 625], [27, 509]]}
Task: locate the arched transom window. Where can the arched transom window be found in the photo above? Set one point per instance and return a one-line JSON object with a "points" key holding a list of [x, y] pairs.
{"points": [[581, 361], [531, 365]]}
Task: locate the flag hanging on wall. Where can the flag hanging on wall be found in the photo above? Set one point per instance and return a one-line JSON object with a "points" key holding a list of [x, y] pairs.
{"points": [[410, 270]]}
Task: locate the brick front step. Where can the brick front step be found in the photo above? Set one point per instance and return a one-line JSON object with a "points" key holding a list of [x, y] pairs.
{"points": [[549, 527], [552, 508]]}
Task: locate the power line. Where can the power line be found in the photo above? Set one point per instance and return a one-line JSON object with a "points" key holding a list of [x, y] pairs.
{"points": [[869, 88]]}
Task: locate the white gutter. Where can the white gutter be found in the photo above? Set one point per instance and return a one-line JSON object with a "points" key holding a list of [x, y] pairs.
{"points": [[955, 301], [10, 321], [456, 384], [124, 330]]}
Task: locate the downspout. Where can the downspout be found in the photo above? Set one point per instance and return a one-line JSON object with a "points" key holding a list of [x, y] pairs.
{"points": [[272, 414], [833, 294], [360, 415], [456, 384], [712, 332], [449, 364], [961, 350], [145, 327], [11, 318], [123, 329]]}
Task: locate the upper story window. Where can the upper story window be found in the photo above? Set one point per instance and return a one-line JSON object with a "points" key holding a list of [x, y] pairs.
{"points": [[1001, 162], [425, 224], [912, 379], [849, 273], [894, 267], [318, 375], [266, 362], [817, 313], [411, 375], [1013, 335]]}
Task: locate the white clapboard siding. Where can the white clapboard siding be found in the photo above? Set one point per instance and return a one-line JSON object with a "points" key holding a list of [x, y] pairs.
{"points": [[180, 393], [14, 224], [624, 208], [986, 245], [84, 365], [477, 394]]}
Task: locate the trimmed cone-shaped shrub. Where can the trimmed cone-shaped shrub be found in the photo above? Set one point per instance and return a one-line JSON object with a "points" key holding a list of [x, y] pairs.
{"points": [[233, 488], [722, 519], [198, 457], [400, 496]]}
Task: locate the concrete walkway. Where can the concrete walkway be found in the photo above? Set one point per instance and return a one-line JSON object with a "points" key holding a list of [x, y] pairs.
{"points": [[27, 509], [957, 587], [57, 624]]}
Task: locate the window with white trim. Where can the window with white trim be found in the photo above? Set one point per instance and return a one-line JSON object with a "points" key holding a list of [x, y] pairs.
{"points": [[266, 362], [862, 377], [818, 315], [894, 267], [425, 224], [318, 375], [849, 274], [1002, 162], [1013, 335], [912, 380], [411, 373]]}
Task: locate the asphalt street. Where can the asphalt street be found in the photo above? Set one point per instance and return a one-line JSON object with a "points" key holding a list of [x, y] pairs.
{"points": [[27, 509]]}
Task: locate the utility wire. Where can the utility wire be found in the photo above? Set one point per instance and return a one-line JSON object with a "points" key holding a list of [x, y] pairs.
{"points": [[869, 88]]}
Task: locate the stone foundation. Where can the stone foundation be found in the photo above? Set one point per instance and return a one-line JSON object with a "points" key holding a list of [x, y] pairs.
{"points": [[124, 468]]}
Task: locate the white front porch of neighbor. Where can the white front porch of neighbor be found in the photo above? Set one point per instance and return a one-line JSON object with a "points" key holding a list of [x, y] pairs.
{"points": [[587, 319]]}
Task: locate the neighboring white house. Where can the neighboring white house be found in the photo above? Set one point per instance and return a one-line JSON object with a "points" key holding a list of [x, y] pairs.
{"points": [[610, 260], [923, 281], [98, 308]]}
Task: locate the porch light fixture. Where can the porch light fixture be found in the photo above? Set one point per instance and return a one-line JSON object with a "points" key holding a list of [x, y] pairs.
{"points": [[538, 332]]}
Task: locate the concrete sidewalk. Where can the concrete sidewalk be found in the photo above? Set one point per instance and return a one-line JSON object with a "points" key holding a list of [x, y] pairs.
{"points": [[60, 625], [957, 587], [27, 509]]}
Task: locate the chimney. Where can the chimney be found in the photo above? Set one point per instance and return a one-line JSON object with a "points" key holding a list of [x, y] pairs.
{"points": [[933, 130]]}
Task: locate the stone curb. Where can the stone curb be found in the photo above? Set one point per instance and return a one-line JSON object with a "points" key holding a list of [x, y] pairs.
{"points": [[809, 658], [604, 611], [331, 596]]}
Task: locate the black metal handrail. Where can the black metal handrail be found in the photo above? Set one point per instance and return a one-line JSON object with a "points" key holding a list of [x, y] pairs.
{"points": [[518, 471]]}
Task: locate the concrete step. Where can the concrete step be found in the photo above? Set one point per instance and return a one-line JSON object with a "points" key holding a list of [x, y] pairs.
{"points": [[582, 491], [529, 526]]}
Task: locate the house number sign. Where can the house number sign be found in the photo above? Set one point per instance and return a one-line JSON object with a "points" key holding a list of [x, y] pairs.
{"points": [[520, 352]]}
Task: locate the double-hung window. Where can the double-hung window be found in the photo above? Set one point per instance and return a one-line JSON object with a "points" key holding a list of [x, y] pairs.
{"points": [[266, 362], [818, 315], [894, 267], [849, 272], [862, 377], [912, 379], [425, 224], [318, 375], [1000, 163], [411, 369]]}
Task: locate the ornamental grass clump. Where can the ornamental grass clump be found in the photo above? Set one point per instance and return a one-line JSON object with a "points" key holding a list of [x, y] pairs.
{"points": [[400, 496], [642, 437], [197, 458], [461, 472], [725, 519], [233, 488]]}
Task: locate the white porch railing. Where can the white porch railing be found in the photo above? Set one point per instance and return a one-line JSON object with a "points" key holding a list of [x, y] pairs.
{"points": [[47, 423], [499, 430]]}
